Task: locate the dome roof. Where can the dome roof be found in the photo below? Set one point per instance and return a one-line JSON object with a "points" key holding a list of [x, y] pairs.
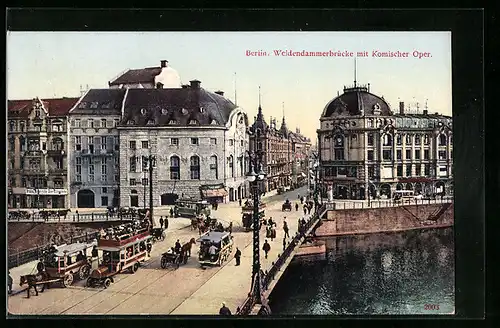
{"points": [[356, 101]]}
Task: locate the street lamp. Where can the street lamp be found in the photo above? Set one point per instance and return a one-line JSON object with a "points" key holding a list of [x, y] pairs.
{"points": [[144, 184], [316, 188], [151, 160], [255, 176]]}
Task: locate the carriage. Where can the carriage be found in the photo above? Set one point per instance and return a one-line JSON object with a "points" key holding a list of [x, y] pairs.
{"points": [[158, 234], [122, 252], [247, 214], [223, 242], [173, 259], [192, 208], [287, 206]]}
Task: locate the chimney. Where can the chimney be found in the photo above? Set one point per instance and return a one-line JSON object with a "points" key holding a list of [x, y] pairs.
{"points": [[159, 85], [401, 108], [368, 87], [195, 84], [185, 86], [220, 93], [426, 112], [163, 63]]}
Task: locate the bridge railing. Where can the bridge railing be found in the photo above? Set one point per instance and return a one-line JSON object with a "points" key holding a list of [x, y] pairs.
{"points": [[270, 274], [19, 258], [344, 205]]}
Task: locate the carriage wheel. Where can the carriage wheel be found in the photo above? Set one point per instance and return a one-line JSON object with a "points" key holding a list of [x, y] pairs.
{"points": [[90, 282], [84, 272], [68, 280], [107, 283], [134, 268], [164, 263], [185, 260], [163, 236]]}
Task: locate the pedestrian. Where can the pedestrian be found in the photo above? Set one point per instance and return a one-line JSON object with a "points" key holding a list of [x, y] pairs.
{"points": [[266, 248], [237, 256], [239, 201], [9, 284], [95, 252], [166, 223], [309, 209], [296, 206], [285, 229], [305, 210], [177, 248], [298, 196], [224, 310], [171, 212], [284, 243], [273, 233], [302, 200], [161, 222], [270, 222]]}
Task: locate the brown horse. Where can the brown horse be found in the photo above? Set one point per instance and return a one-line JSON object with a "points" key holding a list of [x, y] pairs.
{"points": [[186, 248], [31, 280]]}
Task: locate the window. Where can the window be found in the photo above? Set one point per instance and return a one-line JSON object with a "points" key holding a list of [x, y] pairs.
{"points": [[370, 139], [442, 140], [230, 160], [59, 163], [417, 153], [242, 143], [104, 178], [399, 170], [44, 146], [104, 169], [133, 162], [116, 122], [370, 123], [174, 141], [387, 155], [91, 123], [387, 140], [116, 142], [231, 142], [78, 178], [12, 126], [91, 140], [442, 154], [91, 178], [174, 168], [104, 200], [78, 123], [427, 170], [371, 171], [132, 145], [145, 166], [145, 144], [417, 139], [338, 148], [408, 154], [418, 170], [408, 170], [91, 148], [426, 153], [78, 143], [117, 178], [426, 139], [399, 154], [104, 141], [57, 144], [194, 141], [91, 169], [195, 167], [12, 143], [78, 161], [103, 122], [58, 183], [35, 164], [370, 155], [132, 182], [213, 141], [399, 140], [193, 122], [408, 139], [94, 104], [57, 127], [104, 190]]}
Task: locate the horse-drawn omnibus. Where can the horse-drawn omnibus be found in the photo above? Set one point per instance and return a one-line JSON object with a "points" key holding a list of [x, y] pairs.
{"points": [[191, 208], [120, 253], [215, 248]]}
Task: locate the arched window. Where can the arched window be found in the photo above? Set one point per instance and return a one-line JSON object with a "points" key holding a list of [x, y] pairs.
{"points": [[22, 126], [213, 167], [175, 170], [23, 182], [442, 140], [57, 126], [230, 160], [399, 140], [426, 139], [195, 167], [338, 146], [387, 140], [12, 143], [57, 144], [417, 139], [408, 139], [12, 125]]}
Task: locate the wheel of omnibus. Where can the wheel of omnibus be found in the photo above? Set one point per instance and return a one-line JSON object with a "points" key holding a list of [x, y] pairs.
{"points": [[84, 272], [90, 282], [68, 280], [134, 268], [163, 236], [107, 283], [164, 262]]}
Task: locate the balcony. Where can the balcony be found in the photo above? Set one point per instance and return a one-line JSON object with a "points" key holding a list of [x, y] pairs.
{"points": [[56, 152], [57, 171], [103, 152], [34, 153], [34, 171]]}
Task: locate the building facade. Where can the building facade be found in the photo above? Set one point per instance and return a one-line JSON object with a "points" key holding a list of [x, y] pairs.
{"points": [[94, 148], [364, 146], [301, 153], [198, 139], [37, 153]]}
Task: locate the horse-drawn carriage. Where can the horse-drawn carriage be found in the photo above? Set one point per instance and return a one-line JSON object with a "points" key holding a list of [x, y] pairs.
{"points": [[215, 248], [247, 214], [287, 206], [158, 234], [60, 264], [192, 208], [176, 258], [124, 251]]}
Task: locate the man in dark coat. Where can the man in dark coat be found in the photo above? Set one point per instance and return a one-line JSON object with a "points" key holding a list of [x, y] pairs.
{"points": [[171, 212], [224, 310], [305, 209], [177, 247], [237, 256], [161, 222], [266, 248], [166, 223], [297, 207], [285, 229]]}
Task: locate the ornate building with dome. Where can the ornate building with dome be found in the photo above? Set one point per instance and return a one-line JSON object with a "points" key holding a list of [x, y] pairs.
{"points": [[363, 145], [198, 138]]}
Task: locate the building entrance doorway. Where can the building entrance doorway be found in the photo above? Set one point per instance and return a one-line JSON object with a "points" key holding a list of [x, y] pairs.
{"points": [[169, 199], [86, 199]]}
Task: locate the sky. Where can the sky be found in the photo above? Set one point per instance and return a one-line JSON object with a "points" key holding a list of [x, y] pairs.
{"points": [[60, 64]]}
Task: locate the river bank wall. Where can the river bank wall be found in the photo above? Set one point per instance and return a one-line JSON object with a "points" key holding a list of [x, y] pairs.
{"points": [[386, 219]]}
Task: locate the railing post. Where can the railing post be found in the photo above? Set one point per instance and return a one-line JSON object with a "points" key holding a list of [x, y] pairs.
{"points": [[107, 216], [77, 216], [92, 214]]}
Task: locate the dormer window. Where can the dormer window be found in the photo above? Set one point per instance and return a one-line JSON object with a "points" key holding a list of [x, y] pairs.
{"points": [[106, 105], [130, 122], [172, 122], [193, 122], [164, 111], [214, 122], [143, 111], [83, 104], [94, 104], [201, 109], [37, 113], [184, 111], [151, 122]]}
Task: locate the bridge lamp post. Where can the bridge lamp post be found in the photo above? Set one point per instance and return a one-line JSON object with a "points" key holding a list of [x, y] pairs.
{"points": [[255, 177], [316, 188], [144, 184], [151, 163]]}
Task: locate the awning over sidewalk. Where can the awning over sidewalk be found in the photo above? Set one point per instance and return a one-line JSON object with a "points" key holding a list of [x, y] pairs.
{"points": [[208, 191]]}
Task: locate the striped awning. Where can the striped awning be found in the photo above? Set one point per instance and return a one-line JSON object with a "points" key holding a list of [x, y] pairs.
{"points": [[207, 193]]}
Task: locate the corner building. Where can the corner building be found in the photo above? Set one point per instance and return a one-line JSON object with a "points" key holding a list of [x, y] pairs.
{"points": [[364, 146]]}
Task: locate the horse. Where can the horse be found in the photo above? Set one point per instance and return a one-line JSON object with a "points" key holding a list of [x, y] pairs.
{"points": [[186, 248], [202, 228], [31, 280]]}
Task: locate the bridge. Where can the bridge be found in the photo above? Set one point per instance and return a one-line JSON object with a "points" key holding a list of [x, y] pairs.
{"points": [[73, 218]]}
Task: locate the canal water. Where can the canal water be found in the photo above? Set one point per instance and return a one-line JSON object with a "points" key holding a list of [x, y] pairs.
{"points": [[409, 272]]}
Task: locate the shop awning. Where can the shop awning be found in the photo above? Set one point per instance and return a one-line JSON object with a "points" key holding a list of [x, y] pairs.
{"points": [[218, 190]]}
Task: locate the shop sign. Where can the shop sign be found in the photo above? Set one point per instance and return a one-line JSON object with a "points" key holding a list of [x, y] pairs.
{"points": [[48, 192]]}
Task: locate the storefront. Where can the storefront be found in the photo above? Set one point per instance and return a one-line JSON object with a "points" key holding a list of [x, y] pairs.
{"points": [[213, 193], [46, 198]]}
